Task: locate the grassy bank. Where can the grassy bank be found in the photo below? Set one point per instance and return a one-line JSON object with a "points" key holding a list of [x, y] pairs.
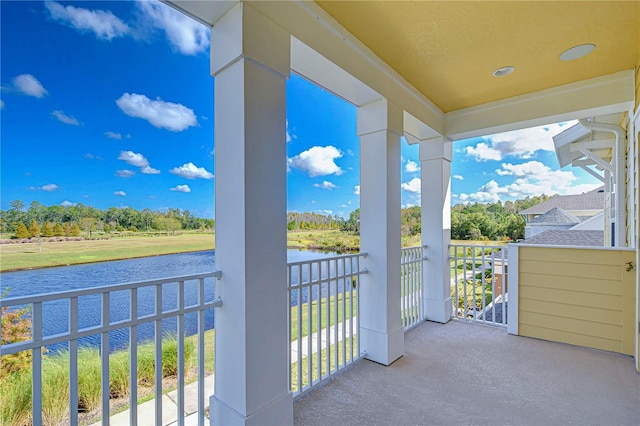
{"points": [[46, 254], [15, 390]]}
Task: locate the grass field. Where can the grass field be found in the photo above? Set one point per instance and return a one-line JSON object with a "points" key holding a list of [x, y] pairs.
{"points": [[46, 254], [42, 255]]}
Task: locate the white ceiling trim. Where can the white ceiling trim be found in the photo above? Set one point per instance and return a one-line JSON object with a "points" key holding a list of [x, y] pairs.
{"points": [[311, 26], [603, 95]]}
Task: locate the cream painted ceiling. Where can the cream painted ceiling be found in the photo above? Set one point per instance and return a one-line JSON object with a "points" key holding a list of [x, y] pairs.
{"points": [[449, 49]]}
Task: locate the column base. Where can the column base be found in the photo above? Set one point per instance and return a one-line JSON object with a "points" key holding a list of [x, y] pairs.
{"points": [[277, 412], [383, 348], [438, 310]]}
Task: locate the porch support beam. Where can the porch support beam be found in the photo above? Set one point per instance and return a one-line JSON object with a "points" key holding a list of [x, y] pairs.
{"points": [[250, 63], [380, 127], [435, 173]]}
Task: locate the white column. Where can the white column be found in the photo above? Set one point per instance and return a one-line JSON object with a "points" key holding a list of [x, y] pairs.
{"points": [[381, 331], [250, 63], [435, 163]]}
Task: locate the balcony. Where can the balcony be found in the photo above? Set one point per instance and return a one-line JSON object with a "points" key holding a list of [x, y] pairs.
{"points": [[459, 373]]}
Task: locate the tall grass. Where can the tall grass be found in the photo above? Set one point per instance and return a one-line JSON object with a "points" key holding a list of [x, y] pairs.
{"points": [[15, 389]]}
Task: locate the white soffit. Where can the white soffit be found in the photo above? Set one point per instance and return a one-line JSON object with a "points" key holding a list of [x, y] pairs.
{"points": [[205, 12], [598, 96], [319, 70], [570, 143]]}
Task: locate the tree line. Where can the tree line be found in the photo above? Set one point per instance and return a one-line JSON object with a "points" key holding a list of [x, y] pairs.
{"points": [[58, 220], [488, 221]]}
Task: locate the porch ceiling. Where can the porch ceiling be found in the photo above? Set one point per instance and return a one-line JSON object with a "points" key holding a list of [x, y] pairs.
{"points": [[449, 49]]}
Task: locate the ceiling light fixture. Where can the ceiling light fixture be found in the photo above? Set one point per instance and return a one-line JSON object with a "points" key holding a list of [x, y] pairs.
{"points": [[501, 72], [577, 52]]}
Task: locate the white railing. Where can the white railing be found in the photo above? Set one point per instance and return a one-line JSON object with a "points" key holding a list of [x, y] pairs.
{"points": [[479, 283], [411, 286], [323, 318], [115, 300]]}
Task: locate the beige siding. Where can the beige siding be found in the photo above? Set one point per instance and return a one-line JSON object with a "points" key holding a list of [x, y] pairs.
{"points": [[579, 296]]}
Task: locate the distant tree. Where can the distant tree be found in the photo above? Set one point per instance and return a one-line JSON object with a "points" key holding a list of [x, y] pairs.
{"points": [[67, 229], [58, 230], [47, 230], [75, 230], [34, 229], [88, 225], [292, 225], [22, 231], [17, 205]]}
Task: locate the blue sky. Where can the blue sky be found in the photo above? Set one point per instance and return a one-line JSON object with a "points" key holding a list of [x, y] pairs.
{"points": [[111, 104]]}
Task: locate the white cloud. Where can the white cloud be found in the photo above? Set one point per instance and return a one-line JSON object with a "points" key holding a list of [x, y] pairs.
{"points": [[161, 114], [519, 143], [113, 135], [148, 170], [103, 24], [356, 190], [325, 185], [67, 203], [50, 187], [120, 193], [29, 85], [1, 104], [64, 118], [185, 34], [414, 185], [90, 156], [317, 161], [125, 173], [288, 133], [532, 178], [191, 171], [482, 152], [181, 188], [459, 177], [411, 167], [133, 158]]}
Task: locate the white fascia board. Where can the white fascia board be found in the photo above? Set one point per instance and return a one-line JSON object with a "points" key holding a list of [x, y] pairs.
{"points": [[205, 12], [596, 144], [572, 134], [314, 67], [608, 94], [416, 131], [315, 28]]}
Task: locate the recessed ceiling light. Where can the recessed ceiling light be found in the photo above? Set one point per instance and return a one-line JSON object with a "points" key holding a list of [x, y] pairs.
{"points": [[577, 52], [501, 72]]}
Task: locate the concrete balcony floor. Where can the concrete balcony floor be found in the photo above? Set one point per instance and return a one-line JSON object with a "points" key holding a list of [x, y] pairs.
{"points": [[460, 373]]}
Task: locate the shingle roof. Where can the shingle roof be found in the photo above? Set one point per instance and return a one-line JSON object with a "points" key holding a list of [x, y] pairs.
{"points": [[556, 216], [568, 238], [593, 200]]}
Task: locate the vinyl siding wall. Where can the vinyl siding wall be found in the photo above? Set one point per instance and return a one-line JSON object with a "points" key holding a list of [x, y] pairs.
{"points": [[578, 296]]}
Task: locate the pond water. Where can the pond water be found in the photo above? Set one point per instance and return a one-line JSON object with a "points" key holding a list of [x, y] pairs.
{"points": [[53, 280]]}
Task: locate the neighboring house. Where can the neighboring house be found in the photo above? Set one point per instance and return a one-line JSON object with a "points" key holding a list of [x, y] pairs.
{"points": [[555, 219], [583, 206]]}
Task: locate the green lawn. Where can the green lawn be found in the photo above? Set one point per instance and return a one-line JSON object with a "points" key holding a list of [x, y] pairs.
{"points": [[45, 254], [302, 316]]}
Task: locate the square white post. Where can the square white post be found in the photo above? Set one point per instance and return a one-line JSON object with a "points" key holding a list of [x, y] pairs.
{"points": [[381, 331], [435, 163], [250, 63]]}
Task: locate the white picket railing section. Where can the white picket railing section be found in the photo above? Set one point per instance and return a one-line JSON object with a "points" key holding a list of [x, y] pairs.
{"points": [[479, 283], [411, 286], [323, 318], [75, 332]]}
